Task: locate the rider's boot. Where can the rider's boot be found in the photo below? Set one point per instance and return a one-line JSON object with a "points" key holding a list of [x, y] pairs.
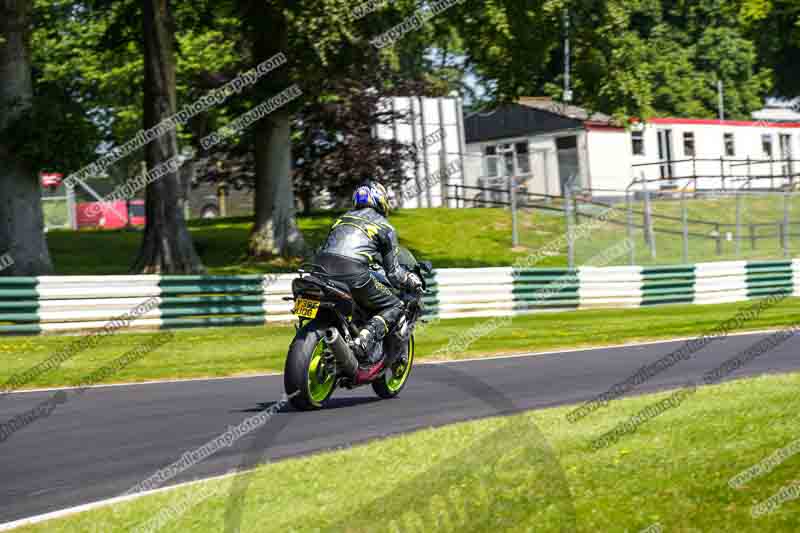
{"points": [[397, 344], [368, 340]]}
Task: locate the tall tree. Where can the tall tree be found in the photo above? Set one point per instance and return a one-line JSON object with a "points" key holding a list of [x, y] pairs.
{"points": [[21, 216], [167, 246], [774, 25], [630, 57], [336, 148], [275, 230]]}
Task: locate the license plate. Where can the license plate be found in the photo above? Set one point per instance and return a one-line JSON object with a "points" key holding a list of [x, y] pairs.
{"points": [[306, 308]]}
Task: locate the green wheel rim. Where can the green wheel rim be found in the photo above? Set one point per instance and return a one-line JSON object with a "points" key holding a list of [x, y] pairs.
{"points": [[318, 391], [400, 373]]}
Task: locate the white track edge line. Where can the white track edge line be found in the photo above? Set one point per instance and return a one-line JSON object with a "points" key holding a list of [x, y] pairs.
{"points": [[591, 348], [149, 382], [31, 520]]}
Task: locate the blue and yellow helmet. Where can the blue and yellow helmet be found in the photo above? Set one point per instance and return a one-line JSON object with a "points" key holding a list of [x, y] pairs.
{"points": [[373, 195]]}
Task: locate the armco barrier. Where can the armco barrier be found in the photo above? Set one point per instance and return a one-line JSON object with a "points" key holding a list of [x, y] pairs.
{"points": [[73, 303]]}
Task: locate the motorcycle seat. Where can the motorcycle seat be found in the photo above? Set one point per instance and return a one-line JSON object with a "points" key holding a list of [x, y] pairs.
{"points": [[338, 285]]}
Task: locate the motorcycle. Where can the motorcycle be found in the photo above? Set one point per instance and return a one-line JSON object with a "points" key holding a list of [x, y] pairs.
{"points": [[321, 357]]}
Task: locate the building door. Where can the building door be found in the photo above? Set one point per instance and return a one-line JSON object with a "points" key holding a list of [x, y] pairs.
{"points": [[786, 156], [540, 182], [568, 165], [665, 153]]}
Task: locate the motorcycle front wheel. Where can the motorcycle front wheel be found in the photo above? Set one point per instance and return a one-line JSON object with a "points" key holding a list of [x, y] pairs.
{"points": [[309, 377], [394, 379]]}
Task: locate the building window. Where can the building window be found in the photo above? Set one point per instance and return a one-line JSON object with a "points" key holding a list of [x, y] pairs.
{"points": [[688, 144], [500, 159], [491, 161], [637, 140], [730, 145], [567, 143], [766, 145], [523, 158]]}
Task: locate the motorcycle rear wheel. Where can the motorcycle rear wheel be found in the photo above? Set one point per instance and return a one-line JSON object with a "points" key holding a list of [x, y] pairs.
{"points": [[394, 379], [307, 382]]}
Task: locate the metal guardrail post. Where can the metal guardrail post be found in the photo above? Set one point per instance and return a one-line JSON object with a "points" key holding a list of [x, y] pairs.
{"points": [[718, 238], [648, 222], [786, 206], [513, 200], [631, 240], [738, 224], [685, 227], [570, 231]]}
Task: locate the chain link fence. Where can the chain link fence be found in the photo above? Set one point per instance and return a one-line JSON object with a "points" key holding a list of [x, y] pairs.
{"points": [[685, 227], [667, 227]]}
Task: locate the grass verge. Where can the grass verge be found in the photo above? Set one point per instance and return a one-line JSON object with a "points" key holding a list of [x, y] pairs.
{"points": [[484, 237], [217, 352], [673, 471]]}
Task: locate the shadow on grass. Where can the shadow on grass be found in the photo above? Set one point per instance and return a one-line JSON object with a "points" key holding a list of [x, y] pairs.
{"points": [[507, 480]]}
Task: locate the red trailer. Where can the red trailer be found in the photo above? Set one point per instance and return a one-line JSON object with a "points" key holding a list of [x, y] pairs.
{"points": [[110, 215]]}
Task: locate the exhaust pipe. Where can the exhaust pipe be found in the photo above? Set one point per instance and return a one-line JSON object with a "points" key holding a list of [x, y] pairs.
{"points": [[341, 351]]}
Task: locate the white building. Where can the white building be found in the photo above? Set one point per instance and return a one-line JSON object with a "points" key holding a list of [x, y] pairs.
{"points": [[547, 143], [435, 127], [722, 154]]}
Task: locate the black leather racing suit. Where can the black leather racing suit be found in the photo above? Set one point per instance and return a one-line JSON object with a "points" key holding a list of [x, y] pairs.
{"points": [[358, 239]]}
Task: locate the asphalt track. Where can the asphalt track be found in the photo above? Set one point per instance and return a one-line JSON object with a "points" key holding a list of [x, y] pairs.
{"points": [[98, 445]]}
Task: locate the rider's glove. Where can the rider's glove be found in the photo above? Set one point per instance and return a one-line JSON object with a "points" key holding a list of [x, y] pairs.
{"points": [[414, 283]]}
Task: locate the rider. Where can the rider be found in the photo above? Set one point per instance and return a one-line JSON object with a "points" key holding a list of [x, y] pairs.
{"points": [[359, 239]]}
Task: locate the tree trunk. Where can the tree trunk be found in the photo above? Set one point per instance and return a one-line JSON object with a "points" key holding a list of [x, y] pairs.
{"points": [[21, 218], [167, 246], [275, 231], [307, 195]]}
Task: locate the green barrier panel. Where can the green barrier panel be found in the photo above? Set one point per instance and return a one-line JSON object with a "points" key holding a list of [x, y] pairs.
{"points": [[785, 282], [538, 279], [660, 300], [170, 279], [18, 293], [19, 317], [211, 321], [209, 289], [769, 272], [786, 289], [544, 299], [676, 276], [214, 310], [561, 304], [22, 329], [32, 305], [545, 271], [670, 292], [687, 284], [176, 301], [784, 278], [525, 289], [31, 282], [768, 264], [674, 269]]}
